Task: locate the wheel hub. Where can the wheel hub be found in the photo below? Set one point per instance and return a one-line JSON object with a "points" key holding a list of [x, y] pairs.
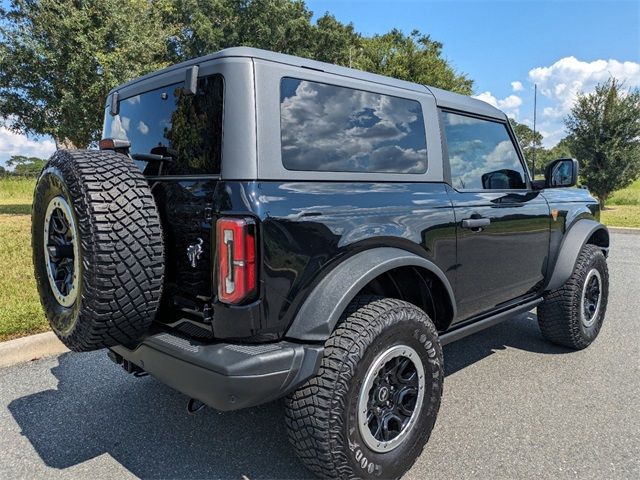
{"points": [[390, 398], [591, 298], [61, 251], [382, 395]]}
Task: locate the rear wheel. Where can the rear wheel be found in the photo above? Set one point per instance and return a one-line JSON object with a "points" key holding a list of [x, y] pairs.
{"points": [[572, 315], [371, 407], [97, 249]]}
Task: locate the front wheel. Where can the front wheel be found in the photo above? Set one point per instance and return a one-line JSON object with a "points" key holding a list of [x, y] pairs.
{"points": [[572, 315], [370, 409]]}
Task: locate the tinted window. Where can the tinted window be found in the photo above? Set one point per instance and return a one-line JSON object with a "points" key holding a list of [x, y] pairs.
{"points": [[481, 154], [339, 129], [172, 123]]}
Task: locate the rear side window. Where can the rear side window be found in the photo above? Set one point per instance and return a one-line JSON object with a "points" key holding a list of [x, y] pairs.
{"points": [[172, 123], [338, 129], [481, 154]]}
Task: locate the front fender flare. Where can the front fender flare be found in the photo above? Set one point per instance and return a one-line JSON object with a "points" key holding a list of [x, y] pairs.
{"points": [[570, 248], [322, 309]]}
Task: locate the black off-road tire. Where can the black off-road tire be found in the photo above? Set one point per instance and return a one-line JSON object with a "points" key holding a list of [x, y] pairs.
{"points": [[560, 316], [321, 415], [121, 253]]}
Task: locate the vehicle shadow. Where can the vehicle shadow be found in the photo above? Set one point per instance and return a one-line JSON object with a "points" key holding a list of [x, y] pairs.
{"points": [[98, 409], [521, 332]]}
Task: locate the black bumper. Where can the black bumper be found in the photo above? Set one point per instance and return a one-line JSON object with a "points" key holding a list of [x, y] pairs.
{"points": [[224, 376]]}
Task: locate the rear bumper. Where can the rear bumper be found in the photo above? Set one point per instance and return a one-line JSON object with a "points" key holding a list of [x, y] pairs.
{"points": [[224, 376]]}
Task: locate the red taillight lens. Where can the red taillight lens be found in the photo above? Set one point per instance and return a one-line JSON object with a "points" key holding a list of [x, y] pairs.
{"points": [[237, 276], [114, 144]]}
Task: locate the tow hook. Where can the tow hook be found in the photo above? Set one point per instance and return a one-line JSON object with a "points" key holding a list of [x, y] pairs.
{"points": [[194, 406]]}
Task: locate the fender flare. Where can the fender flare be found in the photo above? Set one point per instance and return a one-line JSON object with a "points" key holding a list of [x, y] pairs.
{"points": [[570, 248], [322, 309]]}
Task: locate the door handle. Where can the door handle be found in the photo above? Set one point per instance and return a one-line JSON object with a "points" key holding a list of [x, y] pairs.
{"points": [[474, 223]]}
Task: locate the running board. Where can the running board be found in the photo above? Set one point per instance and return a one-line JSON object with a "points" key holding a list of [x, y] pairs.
{"points": [[469, 329]]}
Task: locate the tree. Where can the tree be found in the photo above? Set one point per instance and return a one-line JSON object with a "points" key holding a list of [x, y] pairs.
{"points": [[206, 26], [60, 58], [28, 166], [414, 57], [529, 142], [604, 128], [335, 42], [544, 156]]}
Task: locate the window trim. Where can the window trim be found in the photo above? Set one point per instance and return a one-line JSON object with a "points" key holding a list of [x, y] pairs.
{"points": [[445, 152], [339, 172]]}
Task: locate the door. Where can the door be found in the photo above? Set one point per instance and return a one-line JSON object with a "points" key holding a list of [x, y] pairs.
{"points": [[502, 225]]}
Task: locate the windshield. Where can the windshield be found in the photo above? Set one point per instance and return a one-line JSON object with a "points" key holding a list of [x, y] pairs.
{"points": [[185, 130]]}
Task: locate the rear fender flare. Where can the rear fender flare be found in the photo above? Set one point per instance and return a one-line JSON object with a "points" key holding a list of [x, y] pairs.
{"points": [[321, 311]]}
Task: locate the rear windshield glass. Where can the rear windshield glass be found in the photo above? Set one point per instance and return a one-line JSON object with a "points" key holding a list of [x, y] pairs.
{"points": [[330, 128], [185, 129]]}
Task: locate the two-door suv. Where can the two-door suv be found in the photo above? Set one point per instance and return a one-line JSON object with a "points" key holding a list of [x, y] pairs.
{"points": [[257, 226]]}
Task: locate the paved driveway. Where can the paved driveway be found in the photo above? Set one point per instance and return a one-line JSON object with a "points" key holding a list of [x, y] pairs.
{"points": [[514, 407]]}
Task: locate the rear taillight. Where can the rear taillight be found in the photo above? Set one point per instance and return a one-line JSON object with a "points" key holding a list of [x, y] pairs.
{"points": [[115, 144], [237, 275]]}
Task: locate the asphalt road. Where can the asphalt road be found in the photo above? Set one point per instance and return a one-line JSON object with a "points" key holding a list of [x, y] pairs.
{"points": [[514, 407]]}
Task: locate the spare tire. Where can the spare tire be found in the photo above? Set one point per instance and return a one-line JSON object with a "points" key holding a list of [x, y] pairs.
{"points": [[98, 252]]}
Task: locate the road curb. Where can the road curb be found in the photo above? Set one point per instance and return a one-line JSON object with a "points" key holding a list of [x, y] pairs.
{"points": [[30, 348], [625, 230]]}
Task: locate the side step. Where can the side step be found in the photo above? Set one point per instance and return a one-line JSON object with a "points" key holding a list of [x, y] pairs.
{"points": [[470, 328]]}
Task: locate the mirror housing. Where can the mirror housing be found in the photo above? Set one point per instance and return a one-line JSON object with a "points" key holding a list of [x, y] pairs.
{"points": [[561, 173]]}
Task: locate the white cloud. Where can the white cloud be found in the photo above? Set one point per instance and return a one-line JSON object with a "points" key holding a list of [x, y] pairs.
{"points": [[516, 86], [487, 97], [562, 81], [508, 104], [15, 144], [142, 128]]}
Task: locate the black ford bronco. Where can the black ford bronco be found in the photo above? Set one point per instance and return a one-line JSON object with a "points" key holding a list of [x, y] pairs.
{"points": [[257, 226]]}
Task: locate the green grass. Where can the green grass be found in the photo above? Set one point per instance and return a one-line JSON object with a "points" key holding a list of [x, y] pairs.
{"points": [[16, 195], [20, 310], [16, 189], [623, 208], [627, 196], [621, 216]]}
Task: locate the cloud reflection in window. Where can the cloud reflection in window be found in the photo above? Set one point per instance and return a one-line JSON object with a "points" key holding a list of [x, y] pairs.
{"points": [[330, 128]]}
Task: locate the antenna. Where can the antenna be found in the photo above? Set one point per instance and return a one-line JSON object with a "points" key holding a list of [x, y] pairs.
{"points": [[535, 108]]}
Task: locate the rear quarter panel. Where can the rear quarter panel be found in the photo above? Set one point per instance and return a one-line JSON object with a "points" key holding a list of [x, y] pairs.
{"points": [[308, 228]]}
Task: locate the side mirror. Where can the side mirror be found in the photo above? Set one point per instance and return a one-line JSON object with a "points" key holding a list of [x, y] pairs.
{"points": [[561, 173], [504, 179]]}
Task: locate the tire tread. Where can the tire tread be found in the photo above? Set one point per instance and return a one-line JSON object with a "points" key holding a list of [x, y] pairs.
{"points": [[120, 234]]}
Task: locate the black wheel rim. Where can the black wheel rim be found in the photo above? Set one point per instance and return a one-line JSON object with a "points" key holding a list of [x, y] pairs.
{"points": [[391, 398], [591, 297], [61, 250]]}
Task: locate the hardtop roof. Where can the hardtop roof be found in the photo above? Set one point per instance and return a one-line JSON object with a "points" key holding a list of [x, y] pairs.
{"points": [[444, 98]]}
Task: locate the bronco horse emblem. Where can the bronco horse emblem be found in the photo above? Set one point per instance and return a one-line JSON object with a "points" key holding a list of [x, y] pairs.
{"points": [[194, 252]]}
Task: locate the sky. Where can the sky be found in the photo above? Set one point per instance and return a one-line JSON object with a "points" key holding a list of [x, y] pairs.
{"points": [[508, 46], [505, 46]]}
